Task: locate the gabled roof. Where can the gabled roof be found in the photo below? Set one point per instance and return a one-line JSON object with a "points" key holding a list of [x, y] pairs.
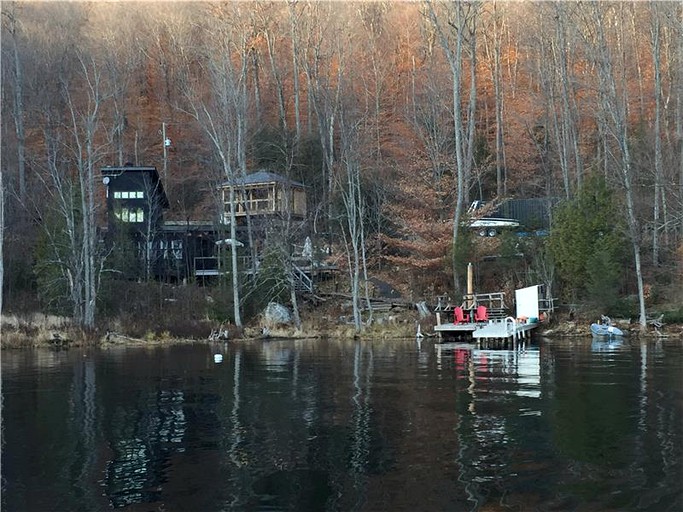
{"points": [[262, 177], [114, 172]]}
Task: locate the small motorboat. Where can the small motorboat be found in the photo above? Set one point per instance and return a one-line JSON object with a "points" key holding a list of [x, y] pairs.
{"points": [[605, 329]]}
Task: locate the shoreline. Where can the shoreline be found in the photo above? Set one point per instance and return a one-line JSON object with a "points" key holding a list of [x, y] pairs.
{"points": [[43, 331]]}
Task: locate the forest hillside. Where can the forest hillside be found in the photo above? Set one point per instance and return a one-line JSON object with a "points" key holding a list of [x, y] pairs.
{"points": [[395, 115]]}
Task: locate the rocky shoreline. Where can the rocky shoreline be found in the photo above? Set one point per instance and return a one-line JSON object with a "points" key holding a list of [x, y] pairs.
{"points": [[49, 331]]}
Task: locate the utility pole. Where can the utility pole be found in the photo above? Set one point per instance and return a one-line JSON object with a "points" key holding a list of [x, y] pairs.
{"points": [[166, 143]]}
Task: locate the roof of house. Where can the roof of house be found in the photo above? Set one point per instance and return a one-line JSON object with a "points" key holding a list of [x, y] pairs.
{"points": [[261, 177], [114, 172]]}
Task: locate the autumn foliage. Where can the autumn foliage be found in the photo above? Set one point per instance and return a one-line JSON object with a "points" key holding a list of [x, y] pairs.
{"points": [[313, 73]]}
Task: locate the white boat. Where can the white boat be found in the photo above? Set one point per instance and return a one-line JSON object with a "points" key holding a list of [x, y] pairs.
{"points": [[605, 329], [488, 226]]}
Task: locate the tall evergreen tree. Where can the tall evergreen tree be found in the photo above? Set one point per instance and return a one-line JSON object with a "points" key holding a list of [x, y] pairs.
{"points": [[586, 241]]}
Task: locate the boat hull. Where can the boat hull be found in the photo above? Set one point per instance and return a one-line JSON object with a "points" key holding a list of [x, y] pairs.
{"points": [[607, 331]]}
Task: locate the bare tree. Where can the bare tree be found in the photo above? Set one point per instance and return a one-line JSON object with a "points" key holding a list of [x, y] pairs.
{"points": [[122, 58], [613, 105], [324, 88], [493, 49], [2, 240], [221, 111], [13, 27], [655, 38], [454, 25], [84, 125], [353, 222], [294, 36]]}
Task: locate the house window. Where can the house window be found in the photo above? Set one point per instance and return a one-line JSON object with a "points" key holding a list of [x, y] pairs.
{"points": [[136, 194], [177, 249], [163, 248], [130, 214]]}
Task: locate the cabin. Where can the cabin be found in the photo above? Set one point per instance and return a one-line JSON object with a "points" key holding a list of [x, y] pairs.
{"points": [[135, 197], [264, 195], [176, 250], [167, 250], [136, 201]]}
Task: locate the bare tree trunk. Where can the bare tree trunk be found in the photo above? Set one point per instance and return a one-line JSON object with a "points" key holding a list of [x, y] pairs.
{"points": [[294, 34], [655, 28], [18, 111], [472, 106], [2, 240], [233, 259], [458, 23], [614, 108], [500, 141], [493, 49], [569, 123], [679, 112], [354, 225], [635, 31], [279, 86]]}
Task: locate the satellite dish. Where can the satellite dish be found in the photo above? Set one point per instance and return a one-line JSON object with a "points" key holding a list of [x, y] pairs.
{"points": [[106, 180]]}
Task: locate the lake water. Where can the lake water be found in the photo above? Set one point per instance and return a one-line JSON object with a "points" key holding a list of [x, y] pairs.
{"points": [[555, 425]]}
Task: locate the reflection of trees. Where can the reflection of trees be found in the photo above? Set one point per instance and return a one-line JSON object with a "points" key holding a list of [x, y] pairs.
{"points": [[144, 438], [344, 426], [84, 419], [613, 416], [360, 436]]}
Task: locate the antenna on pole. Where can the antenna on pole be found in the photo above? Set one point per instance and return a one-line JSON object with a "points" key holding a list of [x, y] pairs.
{"points": [[166, 143]]}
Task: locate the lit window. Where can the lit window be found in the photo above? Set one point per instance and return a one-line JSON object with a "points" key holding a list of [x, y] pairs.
{"points": [[138, 194], [130, 214], [177, 249]]}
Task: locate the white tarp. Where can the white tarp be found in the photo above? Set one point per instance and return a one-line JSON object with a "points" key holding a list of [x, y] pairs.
{"points": [[527, 302]]}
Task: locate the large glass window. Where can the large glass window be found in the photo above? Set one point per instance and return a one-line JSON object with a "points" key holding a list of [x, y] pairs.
{"points": [[130, 214], [124, 194]]}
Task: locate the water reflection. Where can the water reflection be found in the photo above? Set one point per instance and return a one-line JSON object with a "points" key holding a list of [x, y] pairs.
{"points": [[312, 425]]}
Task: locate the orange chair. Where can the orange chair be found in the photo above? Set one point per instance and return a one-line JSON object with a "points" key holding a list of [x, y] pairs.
{"points": [[459, 316], [481, 314]]}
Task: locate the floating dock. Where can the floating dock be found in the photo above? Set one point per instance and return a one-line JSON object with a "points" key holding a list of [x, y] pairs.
{"points": [[508, 329]]}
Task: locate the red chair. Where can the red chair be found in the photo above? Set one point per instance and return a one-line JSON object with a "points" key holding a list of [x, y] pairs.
{"points": [[459, 316], [481, 314]]}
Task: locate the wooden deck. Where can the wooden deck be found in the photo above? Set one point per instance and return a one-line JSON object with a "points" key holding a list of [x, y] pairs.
{"points": [[501, 330]]}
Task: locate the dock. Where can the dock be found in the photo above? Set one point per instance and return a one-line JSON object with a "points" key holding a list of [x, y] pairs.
{"points": [[483, 318], [507, 329]]}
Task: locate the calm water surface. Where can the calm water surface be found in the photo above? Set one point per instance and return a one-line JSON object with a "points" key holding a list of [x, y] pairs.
{"points": [[368, 426]]}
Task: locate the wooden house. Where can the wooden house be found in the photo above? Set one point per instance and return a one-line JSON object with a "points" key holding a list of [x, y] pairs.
{"points": [[136, 201], [135, 196], [174, 250]]}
